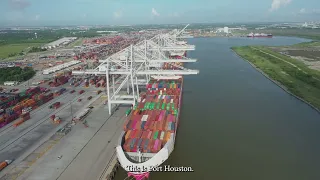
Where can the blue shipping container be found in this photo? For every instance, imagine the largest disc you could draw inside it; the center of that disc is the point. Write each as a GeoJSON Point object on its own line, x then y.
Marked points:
{"type": "Point", "coordinates": [132, 143]}
{"type": "Point", "coordinates": [172, 126]}
{"type": "Point", "coordinates": [143, 124]}
{"type": "Point", "coordinates": [139, 143]}
{"type": "Point", "coordinates": [146, 144]}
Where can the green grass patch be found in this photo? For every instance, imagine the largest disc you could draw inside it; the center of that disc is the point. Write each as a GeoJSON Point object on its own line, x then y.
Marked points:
{"type": "Point", "coordinates": [15, 49]}
{"type": "Point", "coordinates": [307, 44]}
{"type": "Point", "coordinates": [304, 83]}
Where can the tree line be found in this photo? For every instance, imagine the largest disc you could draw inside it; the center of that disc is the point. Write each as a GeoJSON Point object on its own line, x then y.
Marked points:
{"type": "Point", "coordinates": [16, 74]}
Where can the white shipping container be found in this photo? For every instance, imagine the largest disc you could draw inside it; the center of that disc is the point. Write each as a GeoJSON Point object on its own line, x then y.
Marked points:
{"type": "Point", "coordinates": [171, 101]}
{"type": "Point", "coordinates": [159, 97]}
{"type": "Point", "coordinates": [165, 89]}
{"type": "Point", "coordinates": [162, 135]}
{"type": "Point", "coordinates": [144, 100]}
{"type": "Point", "coordinates": [144, 118]}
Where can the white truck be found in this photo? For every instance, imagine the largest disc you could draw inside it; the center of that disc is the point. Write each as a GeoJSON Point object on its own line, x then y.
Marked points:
{"type": "Point", "coordinates": [11, 83]}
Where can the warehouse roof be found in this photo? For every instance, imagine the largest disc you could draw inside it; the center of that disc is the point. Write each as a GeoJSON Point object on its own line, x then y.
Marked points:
{"type": "Point", "coordinates": [61, 41]}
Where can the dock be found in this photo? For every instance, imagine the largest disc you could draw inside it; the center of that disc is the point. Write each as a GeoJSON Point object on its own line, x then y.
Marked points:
{"type": "Point", "coordinates": [111, 168]}
{"type": "Point", "coordinates": [83, 153]}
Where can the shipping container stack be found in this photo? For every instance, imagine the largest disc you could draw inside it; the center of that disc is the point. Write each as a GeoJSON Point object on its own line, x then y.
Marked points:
{"type": "Point", "coordinates": [99, 81]}
{"type": "Point", "coordinates": [26, 101]}
{"type": "Point", "coordinates": [152, 121]}
{"type": "Point", "coordinates": [57, 105]}
{"type": "Point", "coordinates": [76, 82]}
{"type": "Point", "coordinates": [23, 117]}
{"type": "Point", "coordinates": [172, 65]}
{"type": "Point", "coordinates": [59, 92]}
{"type": "Point", "coordinates": [58, 81]}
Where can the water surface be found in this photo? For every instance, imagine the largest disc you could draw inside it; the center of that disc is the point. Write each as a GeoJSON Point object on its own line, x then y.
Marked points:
{"type": "Point", "coordinates": [237, 125]}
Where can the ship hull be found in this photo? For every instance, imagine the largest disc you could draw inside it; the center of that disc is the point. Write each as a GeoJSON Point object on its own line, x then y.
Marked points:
{"type": "Point", "coordinates": [150, 161]}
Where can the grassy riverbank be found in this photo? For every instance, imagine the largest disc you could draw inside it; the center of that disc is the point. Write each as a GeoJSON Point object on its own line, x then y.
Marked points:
{"type": "Point", "coordinates": [308, 44]}
{"type": "Point", "coordinates": [294, 75]}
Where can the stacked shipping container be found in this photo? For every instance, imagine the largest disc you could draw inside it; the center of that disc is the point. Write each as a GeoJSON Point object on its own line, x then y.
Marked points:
{"type": "Point", "coordinates": [59, 81]}
{"type": "Point", "coordinates": [31, 99]}
{"type": "Point", "coordinates": [153, 120]}
{"type": "Point", "coordinates": [23, 117]}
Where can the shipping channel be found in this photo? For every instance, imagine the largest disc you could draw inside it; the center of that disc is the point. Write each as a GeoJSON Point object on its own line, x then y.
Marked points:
{"type": "Point", "coordinates": [238, 125]}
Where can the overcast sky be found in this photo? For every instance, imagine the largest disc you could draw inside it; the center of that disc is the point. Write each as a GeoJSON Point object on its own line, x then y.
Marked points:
{"type": "Point", "coordinates": [117, 12]}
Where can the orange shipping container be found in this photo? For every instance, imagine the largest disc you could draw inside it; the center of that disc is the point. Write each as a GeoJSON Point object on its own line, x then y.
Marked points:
{"type": "Point", "coordinates": [1, 119]}
{"type": "Point", "coordinates": [127, 135]}
{"type": "Point", "coordinates": [3, 165]}
{"type": "Point", "coordinates": [167, 136]}
{"type": "Point", "coordinates": [18, 123]}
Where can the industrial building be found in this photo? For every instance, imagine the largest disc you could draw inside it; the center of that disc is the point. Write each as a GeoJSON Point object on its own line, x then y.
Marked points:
{"type": "Point", "coordinates": [59, 42]}
{"type": "Point", "coordinates": [60, 67]}
{"type": "Point", "coordinates": [228, 30]}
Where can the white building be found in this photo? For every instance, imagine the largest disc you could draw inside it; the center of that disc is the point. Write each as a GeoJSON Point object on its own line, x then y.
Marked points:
{"type": "Point", "coordinates": [59, 42]}
{"type": "Point", "coordinates": [60, 67]}
{"type": "Point", "coordinates": [226, 30]}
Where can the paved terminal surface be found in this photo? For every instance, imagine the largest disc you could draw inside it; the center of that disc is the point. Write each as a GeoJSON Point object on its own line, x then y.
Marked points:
{"type": "Point", "coordinates": [84, 152]}
{"type": "Point", "coordinates": [19, 143]}
{"type": "Point", "coordinates": [15, 140]}
{"type": "Point", "coordinates": [32, 139]}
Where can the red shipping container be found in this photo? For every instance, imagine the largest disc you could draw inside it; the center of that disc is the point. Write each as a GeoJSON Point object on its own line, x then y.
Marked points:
{"type": "Point", "coordinates": [138, 134]}
{"type": "Point", "coordinates": [146, 134]}
{"type": "Point", "coordinates": [133, 133]}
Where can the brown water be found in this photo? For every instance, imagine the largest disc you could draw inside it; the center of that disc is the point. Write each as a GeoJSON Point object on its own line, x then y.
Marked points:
{"type": "Point", "coordinates": [237, 125]}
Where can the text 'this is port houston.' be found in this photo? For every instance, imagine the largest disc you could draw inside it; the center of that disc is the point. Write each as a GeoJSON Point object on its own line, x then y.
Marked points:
{"type": "Point", "coordinates": [165, 168]}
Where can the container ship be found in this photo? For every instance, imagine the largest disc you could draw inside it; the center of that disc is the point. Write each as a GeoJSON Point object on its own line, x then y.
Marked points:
{"type": "Point", "coordinates": [150, 128]}
{"type": "Point", "coordinates": [260, 35]}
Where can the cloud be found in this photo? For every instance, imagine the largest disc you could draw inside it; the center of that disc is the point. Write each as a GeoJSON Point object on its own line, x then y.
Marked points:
{"type": "Point", "coordinates": [315, 11]}
{"type": "Point", "coordinates": [276, 4]}
{"type": "Point", "coordinates": [19, 4]}
{"type": "Point", "coordinates": [302, 11]}
{"type": "Point", "coordinates": [117, 14]}
{"type": "Point", "coordinates": [37, 17]}
{"type": "Point", "coordinates": [310, 12]}
{"type": "Point", "coordinates": [154, 12]}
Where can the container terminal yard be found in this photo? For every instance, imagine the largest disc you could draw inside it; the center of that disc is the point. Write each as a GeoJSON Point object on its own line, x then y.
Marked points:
{"type": "Point", "coordinates": [74, 123]}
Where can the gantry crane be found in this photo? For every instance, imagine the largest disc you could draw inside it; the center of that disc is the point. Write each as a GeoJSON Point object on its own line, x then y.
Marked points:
{"type": "Point", "coordinates": [137, 63]}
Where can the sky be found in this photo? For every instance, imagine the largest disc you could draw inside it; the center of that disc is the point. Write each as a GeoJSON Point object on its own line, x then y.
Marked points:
{"type": "Point", "coordinates": [128, 12]}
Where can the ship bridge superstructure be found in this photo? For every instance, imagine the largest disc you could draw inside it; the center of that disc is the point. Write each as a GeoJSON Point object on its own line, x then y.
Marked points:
{"type": "Point", "coordinates": [137, 63]}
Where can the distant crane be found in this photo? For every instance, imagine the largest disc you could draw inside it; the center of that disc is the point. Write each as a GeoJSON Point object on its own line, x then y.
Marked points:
{"type": "Point", "coordinates": [142, 61]}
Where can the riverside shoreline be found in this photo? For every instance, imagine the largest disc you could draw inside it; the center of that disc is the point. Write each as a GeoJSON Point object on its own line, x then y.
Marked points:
{"type": "Point", "coordinates": [278, 83]}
